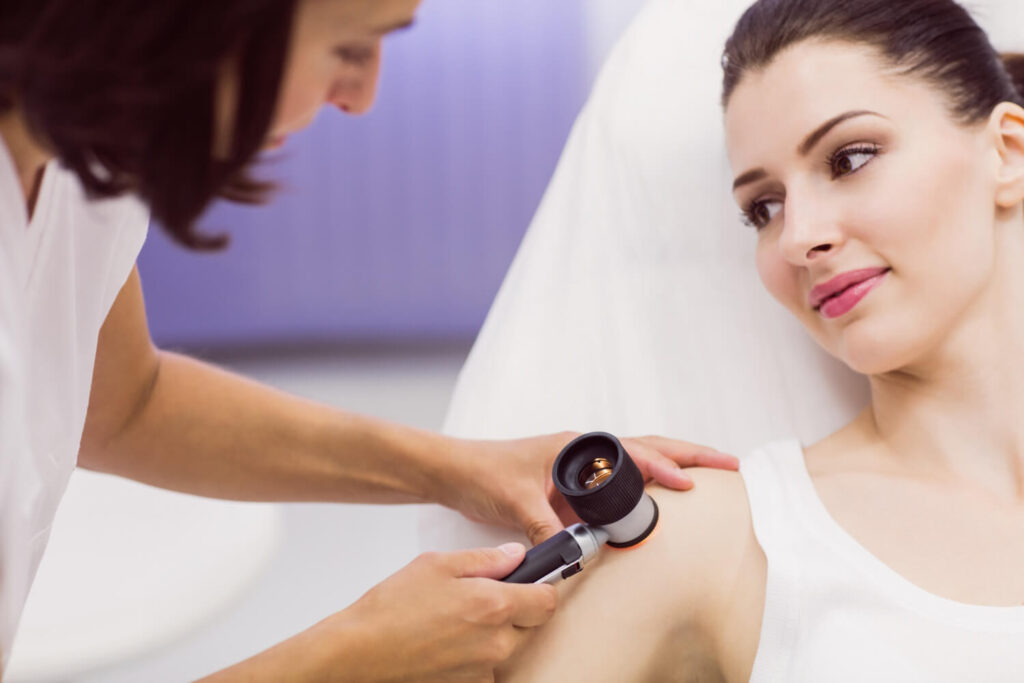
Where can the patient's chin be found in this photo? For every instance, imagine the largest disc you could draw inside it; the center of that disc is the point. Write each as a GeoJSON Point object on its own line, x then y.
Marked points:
{"type": "Point", "coordinates": [873, 353]}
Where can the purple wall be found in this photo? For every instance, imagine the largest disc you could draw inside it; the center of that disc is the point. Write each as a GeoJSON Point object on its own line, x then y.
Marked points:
{"type": "Point", "coordinates": [400, 224]}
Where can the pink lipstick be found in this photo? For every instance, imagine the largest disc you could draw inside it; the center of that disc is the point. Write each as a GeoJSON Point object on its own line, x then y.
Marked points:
{"type": "Point", "coordinates": [840, 294]}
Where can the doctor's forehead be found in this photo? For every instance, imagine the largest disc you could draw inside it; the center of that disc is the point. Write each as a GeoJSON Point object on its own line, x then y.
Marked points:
{"type": "Point", "coordinates": [364, 17]}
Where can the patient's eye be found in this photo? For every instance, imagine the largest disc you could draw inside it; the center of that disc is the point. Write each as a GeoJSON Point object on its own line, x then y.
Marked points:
{"type": "Point", "coordinates": [760, 212]}
{"type": "Point", "coordinates": [849, 160]}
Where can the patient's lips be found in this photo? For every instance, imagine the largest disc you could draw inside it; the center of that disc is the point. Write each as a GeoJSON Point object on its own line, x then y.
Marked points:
{"type": "Point", "coordinates": [840, 294]}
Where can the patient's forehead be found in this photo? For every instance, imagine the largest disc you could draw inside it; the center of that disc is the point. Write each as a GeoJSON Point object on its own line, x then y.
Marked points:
{"type": "Point", "coordinates": [775, 107]}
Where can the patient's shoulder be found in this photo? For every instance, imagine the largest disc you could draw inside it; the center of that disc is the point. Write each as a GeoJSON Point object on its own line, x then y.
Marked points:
{"type": "Point", "coordinates": [714, 513]}
{"type": "Point", "coordinates": [669, 601]}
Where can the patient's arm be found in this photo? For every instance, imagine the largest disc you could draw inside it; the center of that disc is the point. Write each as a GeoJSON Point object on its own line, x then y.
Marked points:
{"type": "Point", "coordinates": [685, 605]}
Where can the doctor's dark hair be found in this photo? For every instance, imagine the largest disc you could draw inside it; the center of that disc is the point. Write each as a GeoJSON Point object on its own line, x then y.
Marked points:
{"type": "Point", "coordinates": [125, 94]}
{"type": "Point", "coordinates": [935, 40]}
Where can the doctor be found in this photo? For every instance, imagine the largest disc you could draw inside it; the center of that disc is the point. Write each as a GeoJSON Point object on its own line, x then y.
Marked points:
{"type": "Point", "coordinates": [112, 111]}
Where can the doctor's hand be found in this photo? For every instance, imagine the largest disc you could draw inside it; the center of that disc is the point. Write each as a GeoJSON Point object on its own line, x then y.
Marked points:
{"type": "Point", "coordinates": [445, 618]}
{"type": "Point", "coordinates": [509, 482]}
{"type": "Point", "coordinates": [442, 617]}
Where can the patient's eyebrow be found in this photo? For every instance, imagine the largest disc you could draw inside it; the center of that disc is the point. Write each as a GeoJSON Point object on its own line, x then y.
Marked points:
{"type": "Point", "coordinates": [806, 146]}
{"type": "Point", "coordinates": [821, 131]}
{"type": "Point", "coordinates": [749, 177]}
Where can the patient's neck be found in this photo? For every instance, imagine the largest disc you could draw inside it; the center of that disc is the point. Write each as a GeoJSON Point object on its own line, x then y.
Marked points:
{"type": "Point", "coordinates": [959, 411]}
{"type": "Point", "coordinates": [28, 155]}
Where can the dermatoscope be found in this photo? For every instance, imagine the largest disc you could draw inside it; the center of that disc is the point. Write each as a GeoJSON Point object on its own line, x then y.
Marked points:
{"type": "Point", "coordinates": [604, 487]}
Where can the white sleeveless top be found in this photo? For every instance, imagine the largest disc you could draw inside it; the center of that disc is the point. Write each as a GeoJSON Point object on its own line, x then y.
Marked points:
{"type": "Point", "coordinates": [59, 276]}
{"type": "Point", "coordinates": [834, 612]}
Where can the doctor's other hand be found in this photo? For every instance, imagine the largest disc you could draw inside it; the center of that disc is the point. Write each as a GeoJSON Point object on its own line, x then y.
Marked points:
{"type": "Point", "coordinates": [509, 482]}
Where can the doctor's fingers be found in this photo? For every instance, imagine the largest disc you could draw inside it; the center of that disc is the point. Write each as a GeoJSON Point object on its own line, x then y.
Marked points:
{"type": "Point", "coordinates": [520, 605]}
{"type": "Point", "coordinates": [666, 469]}
{"type": "Point", "coordinates": [683, 453]}
{"type": "Point", "coordinates": [542, 514]}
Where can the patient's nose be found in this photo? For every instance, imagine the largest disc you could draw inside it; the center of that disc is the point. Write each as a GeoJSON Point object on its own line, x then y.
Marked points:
{"type": "Point", "coordinates": [808, 232]}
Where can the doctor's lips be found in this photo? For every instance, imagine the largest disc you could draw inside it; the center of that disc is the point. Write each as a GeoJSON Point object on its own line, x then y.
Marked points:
{"type": "Point", "coordinates": [840, 294]}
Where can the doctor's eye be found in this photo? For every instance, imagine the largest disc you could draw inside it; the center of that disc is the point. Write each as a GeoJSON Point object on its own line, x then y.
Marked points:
{"type": "Point", "coordinates": [849, 160]}
{"type": "Point", "coordinates": [760, 212]}
{"type": "Point", "coordinates": [356, 56]}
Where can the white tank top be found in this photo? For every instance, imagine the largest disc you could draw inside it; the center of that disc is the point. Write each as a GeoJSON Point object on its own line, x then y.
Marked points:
{"type": "Point", "coordinates": [59, 276]}
{"type": "Point", "coordinates": [834, 612]}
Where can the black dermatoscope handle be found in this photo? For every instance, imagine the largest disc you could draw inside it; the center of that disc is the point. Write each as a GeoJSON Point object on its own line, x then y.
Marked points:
{"type": "Point", "coordinates": [558, 551]}
{"type": "Point", "coordinates": [605, 488]}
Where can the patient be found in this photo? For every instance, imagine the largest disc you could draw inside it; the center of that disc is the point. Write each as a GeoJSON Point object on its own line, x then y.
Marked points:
{"type": "Point", "coordinates": [878, 151]}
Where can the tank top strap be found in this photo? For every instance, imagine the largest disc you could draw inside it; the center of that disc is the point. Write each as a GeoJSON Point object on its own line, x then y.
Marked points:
{"type": "Point", "coordinates": [769, 474]}
{"type": "Point", "coordinates": [774, 475]}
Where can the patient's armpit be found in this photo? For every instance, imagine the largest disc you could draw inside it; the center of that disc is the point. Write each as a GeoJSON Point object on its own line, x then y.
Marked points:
{"type": "Point", "coordinates": [686, 605]}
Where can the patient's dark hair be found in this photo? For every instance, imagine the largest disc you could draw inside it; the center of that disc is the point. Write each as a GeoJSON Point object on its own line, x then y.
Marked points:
{"type": "Point", "coordinates": [123, 92]}
{"type": "Point", "coordinates": [936, 40]}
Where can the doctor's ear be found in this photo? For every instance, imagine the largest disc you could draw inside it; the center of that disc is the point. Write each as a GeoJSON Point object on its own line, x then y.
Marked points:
{"type": "Point", "coordinates": [1007, 125]}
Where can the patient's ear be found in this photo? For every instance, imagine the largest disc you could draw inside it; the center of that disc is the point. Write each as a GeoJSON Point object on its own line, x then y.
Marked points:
{"type": "Point", "coordinates": [1007, 126]}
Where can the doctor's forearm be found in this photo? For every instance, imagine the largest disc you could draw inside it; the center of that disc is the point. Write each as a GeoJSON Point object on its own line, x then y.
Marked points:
{"type": "Point", "coordinates": [205, 431]}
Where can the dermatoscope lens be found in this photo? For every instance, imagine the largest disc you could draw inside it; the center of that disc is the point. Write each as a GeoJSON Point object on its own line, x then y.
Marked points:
{"type": "Point", "coordinates": [605, 488]}
{"type": "Point", "coordinates": [595, 473]}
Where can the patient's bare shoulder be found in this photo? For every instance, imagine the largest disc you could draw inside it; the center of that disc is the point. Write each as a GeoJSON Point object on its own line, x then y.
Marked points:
{"type": "Point", "coordinates": [685, 605]}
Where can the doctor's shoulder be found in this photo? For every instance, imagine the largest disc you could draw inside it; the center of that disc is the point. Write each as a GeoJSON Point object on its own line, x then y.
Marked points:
{"type": "Point", "coordinates": [685, 605]}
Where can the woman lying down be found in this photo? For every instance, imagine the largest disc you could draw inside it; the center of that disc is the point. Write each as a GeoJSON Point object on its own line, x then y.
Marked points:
{"type": "Point", "coordinates": [878, 151]}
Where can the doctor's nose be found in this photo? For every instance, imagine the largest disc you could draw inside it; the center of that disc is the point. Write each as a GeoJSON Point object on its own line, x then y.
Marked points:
{"type": "Point", "coordinates": [355, 90]}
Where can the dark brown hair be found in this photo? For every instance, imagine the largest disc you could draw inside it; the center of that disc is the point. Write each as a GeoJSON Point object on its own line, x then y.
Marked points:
{"type": "Point", "coordinates": [123, 92]}
{"type": "Point", "coordinates": [936, 40]}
